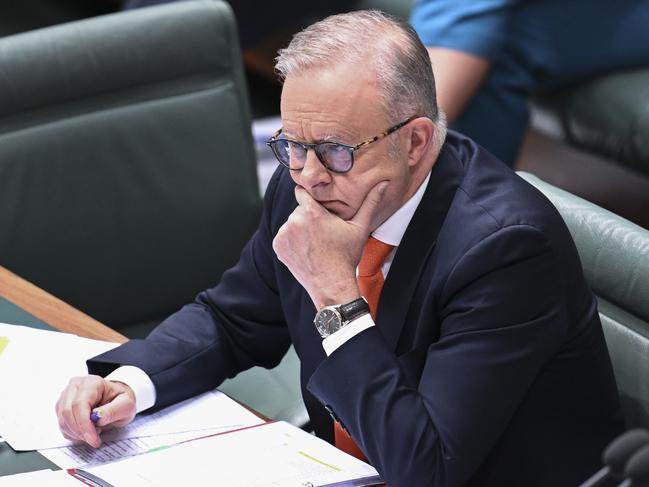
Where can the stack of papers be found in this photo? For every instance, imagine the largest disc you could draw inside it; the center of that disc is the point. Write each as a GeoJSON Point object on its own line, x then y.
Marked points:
{"type": "Point", "coordinates": [206, 414]}
{"type": "Point", "coordinates": [36, 365]}
{"type": "Point", "coordinates": [209, 438]}
{"type": "Point", "coordinates": [272, 454]}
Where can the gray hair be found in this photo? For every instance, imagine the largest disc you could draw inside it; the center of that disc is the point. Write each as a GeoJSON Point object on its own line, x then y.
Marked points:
{"type": "Point", "coordinates": [400, 60]}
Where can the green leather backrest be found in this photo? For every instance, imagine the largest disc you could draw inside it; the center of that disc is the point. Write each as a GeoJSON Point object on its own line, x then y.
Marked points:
{"type": "Point", "coordinates": [398, 8]}
{"type": "Point", "coordinates": [615, 256]}
{"type": "Point", "coordinates": [608, 115]}
{"type": "Point", "coordinates": [127, 171]}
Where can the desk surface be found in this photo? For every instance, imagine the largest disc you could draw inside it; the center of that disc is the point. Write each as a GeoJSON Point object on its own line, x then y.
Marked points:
{"type": "Point", "coordinates": [51, 310]}
{"type": "Point", "coordinates": [23, 303]}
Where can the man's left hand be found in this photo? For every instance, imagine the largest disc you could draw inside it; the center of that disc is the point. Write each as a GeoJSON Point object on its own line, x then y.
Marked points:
{"type": "Point", "coordinates": [322, 250]}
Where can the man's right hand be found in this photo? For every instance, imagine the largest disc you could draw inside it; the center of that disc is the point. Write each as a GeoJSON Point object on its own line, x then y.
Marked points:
{"type": "Point", "coordinates": [113, 401]}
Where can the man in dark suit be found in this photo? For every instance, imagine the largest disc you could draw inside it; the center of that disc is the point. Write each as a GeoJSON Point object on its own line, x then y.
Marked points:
{"type": "Point", "coordinates": [482, 360]}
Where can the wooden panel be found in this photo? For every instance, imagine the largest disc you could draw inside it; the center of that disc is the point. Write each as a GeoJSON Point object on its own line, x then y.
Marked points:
{"type": "Point", "coordinates": [52, 310]}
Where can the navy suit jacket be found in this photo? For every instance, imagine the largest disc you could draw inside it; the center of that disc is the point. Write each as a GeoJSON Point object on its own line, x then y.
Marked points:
{"type": "Point", "coordinates": [487, 366]}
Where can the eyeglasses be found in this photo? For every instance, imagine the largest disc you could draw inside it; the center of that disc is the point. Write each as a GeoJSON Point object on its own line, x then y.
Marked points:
{"type": "Point", "coordinates": [336, 157]}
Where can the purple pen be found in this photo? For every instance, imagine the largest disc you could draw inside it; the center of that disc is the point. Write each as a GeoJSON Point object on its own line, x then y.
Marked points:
{"type": "Point", "coordinates": [95, 416]}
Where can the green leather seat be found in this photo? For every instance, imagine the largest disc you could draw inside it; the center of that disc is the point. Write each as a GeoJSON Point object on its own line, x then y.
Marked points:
{"type": "Point", "coordinates": [615, 256]}
{"type": "Point", "coordinates": [128, 176]}
{"type": "Point", "coordinates": [608, 116]}
{"type": "Point", "coordinates": [127, 171]}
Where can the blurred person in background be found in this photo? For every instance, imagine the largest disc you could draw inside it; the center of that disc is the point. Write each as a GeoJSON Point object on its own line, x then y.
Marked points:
{"type": "Point", "coordinates": [491, 56]}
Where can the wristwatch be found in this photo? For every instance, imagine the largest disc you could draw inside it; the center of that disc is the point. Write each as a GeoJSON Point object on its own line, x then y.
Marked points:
{"type": "Point", "coordinates": [330, 319]}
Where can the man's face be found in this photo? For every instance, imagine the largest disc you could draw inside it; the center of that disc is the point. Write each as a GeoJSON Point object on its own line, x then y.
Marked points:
{"type": "Point", "coordinates": [342, 105]}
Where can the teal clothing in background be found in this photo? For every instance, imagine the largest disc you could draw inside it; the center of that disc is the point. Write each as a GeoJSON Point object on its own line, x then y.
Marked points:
{"type": "Point", "coordinates": [535, 46]}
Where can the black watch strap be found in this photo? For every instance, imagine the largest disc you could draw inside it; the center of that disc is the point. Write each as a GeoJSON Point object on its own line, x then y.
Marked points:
{"type": "Point", "coordinates": [353, 310]}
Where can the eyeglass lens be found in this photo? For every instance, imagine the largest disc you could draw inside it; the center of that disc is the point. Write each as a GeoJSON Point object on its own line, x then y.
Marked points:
{"type": "Point", "coordinates": [335, 157]}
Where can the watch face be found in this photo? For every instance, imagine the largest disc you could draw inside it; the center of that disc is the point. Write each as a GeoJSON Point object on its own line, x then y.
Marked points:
{"type": "Point", "coordinates": [327, 321]}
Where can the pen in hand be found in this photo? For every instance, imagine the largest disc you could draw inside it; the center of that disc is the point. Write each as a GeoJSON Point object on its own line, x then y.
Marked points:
{"type": "Point", "coordinates": [95, 416]}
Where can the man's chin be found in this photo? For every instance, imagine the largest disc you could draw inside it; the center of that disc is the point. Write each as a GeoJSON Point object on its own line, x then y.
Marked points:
{"type": "Point", "coordinates": [338, 208]}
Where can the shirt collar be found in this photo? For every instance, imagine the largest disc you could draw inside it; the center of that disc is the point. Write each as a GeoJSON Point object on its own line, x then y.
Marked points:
{"type": "Point", "coordinates": [391, 230]}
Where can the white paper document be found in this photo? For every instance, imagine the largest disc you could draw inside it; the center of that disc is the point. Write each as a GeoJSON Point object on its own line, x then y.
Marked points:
{"type": "Point", "coordinates": [83, 455]}
{"type": "Point", "coordinates": [36, 365]}
{"type": "Point", "coordinates": [268, 455]}
{"type": "Point", "coordinates": [209, 413]}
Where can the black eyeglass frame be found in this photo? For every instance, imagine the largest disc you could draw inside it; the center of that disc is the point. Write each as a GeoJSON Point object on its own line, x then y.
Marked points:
{"type": "Point", "coordinates": [271, 142]}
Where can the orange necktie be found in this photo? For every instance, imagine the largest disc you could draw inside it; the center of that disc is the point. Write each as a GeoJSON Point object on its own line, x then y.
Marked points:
{"type": "Point", "coordinates": [370, 281]}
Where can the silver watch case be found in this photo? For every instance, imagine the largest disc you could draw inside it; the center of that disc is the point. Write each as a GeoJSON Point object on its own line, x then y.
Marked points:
{"type": "Point", "coordinates": [328, 320]}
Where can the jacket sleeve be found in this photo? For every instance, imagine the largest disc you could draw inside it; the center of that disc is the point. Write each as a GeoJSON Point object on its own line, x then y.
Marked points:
{"type": "Point", "coordinates": [227, 329]}
{"type": "Point", "coordinates": [502, 317]}
{"type": "Point", "coordinates": [464, 25]}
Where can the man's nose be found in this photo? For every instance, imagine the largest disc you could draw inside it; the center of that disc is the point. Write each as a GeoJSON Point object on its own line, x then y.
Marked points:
{"type": "Point", "coordinates": [313, 173]}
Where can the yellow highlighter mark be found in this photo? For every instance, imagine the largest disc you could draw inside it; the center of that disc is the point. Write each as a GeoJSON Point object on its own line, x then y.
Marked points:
{"type": "Point", "coordinates": [4, 341]}
{"type": "Point", "coordinates": [319, 461]}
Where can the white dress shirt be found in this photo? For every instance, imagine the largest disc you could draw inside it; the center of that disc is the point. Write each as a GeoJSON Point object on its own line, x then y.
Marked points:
{"type": "Point", "coordinates": [390, 232]}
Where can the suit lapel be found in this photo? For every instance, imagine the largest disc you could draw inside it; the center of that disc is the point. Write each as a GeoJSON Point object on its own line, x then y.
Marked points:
{"type": "Point", "coordinates": [416, 245]}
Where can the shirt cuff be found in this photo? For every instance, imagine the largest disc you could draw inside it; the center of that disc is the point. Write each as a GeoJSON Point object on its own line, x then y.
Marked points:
{"type": "Point", "coordinates": [139, 381]}
{"type": "Point", "coordinates": [335, 340]}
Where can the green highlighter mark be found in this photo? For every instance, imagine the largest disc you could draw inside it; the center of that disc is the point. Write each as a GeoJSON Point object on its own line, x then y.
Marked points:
{"type": "Point", "coordinates": [158, 448]}
{"type": "Point", "coordinates": [4, 341]}
{"type": "Point", "coordinates": [304, 454]}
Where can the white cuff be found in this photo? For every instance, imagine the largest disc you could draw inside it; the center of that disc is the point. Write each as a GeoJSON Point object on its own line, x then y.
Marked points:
{"type": "Point", "coordinates": [335, 340]}
{"type": "Point", "coordinates": [136, 379]}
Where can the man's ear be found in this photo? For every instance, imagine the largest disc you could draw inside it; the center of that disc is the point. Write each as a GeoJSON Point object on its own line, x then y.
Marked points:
{"type": "Point", "coordinates": [420, 140]}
